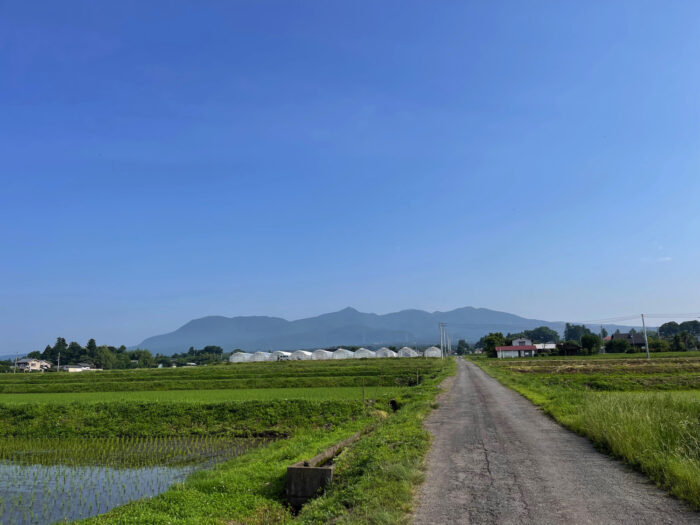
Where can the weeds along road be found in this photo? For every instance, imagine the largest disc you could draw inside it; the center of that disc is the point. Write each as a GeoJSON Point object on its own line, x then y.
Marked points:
{"type": "Point", "coordinates": [496, 459]}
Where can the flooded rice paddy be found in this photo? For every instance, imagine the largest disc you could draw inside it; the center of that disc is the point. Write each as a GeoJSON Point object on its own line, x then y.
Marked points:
{"type": "Point", "coordinates": [52, 480]}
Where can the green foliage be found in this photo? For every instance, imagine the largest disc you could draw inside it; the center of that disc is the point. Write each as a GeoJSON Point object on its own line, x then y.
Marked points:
{"type": "Point", "coordinates": [491, 341]}
{"type": "Point", "coordinates": [574, 332]}
{"type": "Point", "coordinates": [105, 357]}
{"type": "Point", "coordinates": [668, 330]}
{"type": "Point", "coordinates": [590, 343]}
{"type": "Point", "coordinates": [617, 346]}
{"type": "Point", "coordinates": [542, 334]}
{"type": "Point", "coordinates": [463, 347]}
{"type": "Point", "coordinates": [659, 345]}
{"type": "Point", "coordinates": [692, 327]}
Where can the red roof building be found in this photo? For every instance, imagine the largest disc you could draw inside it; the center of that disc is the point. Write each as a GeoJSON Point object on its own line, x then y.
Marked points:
{"type": "Point", "coordinates": [516, 351]}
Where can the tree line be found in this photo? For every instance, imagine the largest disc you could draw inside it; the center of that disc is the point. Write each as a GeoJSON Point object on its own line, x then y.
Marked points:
{"type": "Point", "coordinates": [110, 357]}
{"type": "Point", "coordinates": [670, 337]}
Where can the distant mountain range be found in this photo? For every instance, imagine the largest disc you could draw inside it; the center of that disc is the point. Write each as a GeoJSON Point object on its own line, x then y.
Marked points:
{"type": "Point", "coordinates": [346, 327]}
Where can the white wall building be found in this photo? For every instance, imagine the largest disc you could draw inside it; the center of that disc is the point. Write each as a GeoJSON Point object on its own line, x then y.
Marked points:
{"type": "Point", "coordinates": [515, 351]}
{"type": "Point", "coordinates": [260, 356]}
{"type": "Point", "coordinates": [33, 365]}
{"type": "Point", "coordinates": [279, 355]}
{"type": "Point", "coordinates": [301, 355]}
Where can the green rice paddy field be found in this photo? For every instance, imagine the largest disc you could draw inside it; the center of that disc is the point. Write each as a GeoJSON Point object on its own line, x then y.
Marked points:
{"type": "Point", "coordinates": [220, 437]}
{"type": "Point", "coordinates": [644, 411]}
{"type": "Point", "coordinates": [351, 393]}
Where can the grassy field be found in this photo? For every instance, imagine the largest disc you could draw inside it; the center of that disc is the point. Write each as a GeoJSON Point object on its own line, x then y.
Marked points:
{"type": "Point", "coordinates": [290, 374]}
{"type": "Point", "coordinates": [374, 478]}
{"type": "Point", "coordinates": [646, 412]}
{"type": "Point", "coordinates": [353, 393]}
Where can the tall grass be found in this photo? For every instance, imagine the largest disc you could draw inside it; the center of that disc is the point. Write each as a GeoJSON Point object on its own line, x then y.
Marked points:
{"type": "Point", "coordinates": [658, 433]}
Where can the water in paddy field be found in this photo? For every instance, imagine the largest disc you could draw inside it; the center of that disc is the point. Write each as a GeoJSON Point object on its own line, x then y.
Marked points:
{"type": "Point", "coordinates": [47, 494]}
{"type": "Point", "coordinates": [36, 493]}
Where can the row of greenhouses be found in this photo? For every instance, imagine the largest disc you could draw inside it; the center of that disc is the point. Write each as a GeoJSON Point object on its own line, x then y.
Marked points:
{"type": "Point", "coordinates": [340, 353]}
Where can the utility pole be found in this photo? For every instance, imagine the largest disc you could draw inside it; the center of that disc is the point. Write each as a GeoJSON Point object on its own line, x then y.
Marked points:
{"type": "Point", "coordinates": [442, 339]}
{"type": "Point", "coordinates": [646, 341]}
{"type": "Point", "coordinates": [58, 366]}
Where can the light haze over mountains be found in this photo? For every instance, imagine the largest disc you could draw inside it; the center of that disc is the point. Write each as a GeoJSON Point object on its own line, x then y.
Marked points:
{"type": "Point", "coordinates": [345, 327]}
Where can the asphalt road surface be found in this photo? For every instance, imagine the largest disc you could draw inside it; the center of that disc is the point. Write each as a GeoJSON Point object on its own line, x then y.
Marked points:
{"type": "Point", "coordinates": [496, 459]}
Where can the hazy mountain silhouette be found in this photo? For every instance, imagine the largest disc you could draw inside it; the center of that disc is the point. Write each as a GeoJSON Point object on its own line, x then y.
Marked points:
{"type": "Point", "coordinates": [345, 327]}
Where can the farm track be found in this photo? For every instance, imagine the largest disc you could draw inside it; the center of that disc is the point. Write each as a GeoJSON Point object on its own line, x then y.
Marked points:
{"type": "Point", "coordinates": [497, 459]}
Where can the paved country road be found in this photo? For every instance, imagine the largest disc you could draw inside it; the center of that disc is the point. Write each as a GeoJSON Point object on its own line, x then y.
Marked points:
{"type": "Point", "coordinates": [497, 459]}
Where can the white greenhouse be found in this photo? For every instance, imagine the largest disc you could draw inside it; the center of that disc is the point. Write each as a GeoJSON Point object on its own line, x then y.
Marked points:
{"type": "Point", "coordinates": [301, 355]}
{"type": "Point", "coordinates": [433, 351]}
{"type": "Point", "coordinates": [408, 352]}
{"type": "Point", "coordinates": [385, 352]}
{"type": "Point", "coordinates": [279, 355]}
{"type": "Point", "coordinates": [361, 353]}
{"type": "Point", "coordinates": [240, 357]}
{"type": "Point", "coordinates": [321, 354]}
{"type": "Point", "coordinates": [260, 356]}
{"type": "Point", "coordinates": [342, 353]}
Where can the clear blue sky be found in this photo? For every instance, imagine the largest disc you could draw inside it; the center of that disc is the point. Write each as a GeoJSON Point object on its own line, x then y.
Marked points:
{"type": "Point", "coordinates": [162, 161]}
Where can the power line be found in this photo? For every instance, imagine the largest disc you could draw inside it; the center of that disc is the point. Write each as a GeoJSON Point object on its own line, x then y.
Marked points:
{"type": "Point", "coordinates": [636, 316]}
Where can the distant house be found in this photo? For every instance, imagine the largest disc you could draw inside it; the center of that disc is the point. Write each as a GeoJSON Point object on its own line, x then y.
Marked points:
{"type": "Point", "coordinates": [33, 365]}
{"type": "Point", "coordinates": [634, 339]}
{"type": "Point", "coordinates": [516, 351]}
{"type": "Point", "coordinates": [80, 367]}
{"type": "Point", "coordinates": [521, 341]}
{"type": "Point", "coordinates": [569, 348]}
{"type": "Point", "coordinates": [543, 347]}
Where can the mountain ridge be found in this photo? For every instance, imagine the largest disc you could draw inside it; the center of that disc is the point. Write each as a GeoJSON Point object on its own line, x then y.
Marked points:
{"type": "Point", "coordinates": [348, 326]}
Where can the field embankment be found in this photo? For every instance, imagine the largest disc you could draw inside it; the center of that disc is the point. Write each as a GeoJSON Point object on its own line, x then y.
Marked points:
{"type": "Point", "coordinates": [646, 412]}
